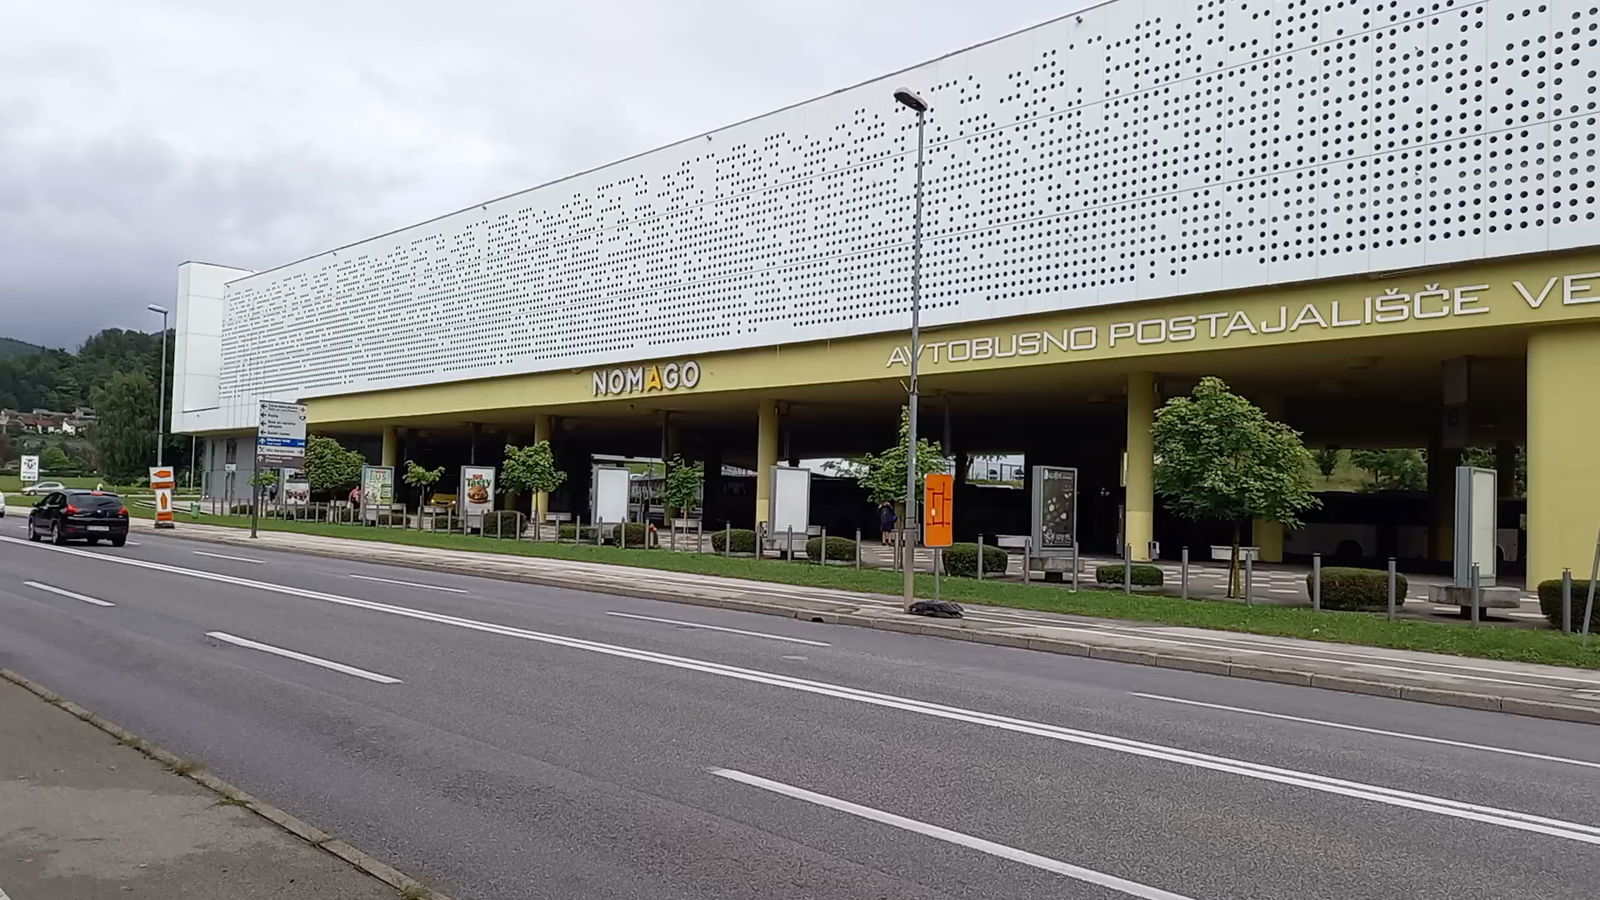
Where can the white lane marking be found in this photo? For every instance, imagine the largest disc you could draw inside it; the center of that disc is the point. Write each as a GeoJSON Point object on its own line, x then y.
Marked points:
{"type": "Point", "coordinates": [3, 895]}
{"type": "Point", "coordinates": [224, 556]}
{"type": "Point", "coordinates": [1405, 799]}
{"type": "Point", "coordinates": [1505, 818]}
{"type": "Point", "coordinates": [314, 660]}
{"type": "Point", "coordinates": [1363, 729]}
{"type": "Point", "coordinates": [1090, 876]}
{"type": "Point", "coordinates": [759, 634]}
{"type": "Point", "coordinates": [56, 590]}
{"type": "Point", "coordinates": [1283, 590]}
{"type": "Point", "coordinates": [426, 587]}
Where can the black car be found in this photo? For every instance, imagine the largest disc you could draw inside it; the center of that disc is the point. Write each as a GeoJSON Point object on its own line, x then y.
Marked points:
{"type": "Point", "coordinates": [65, 515]}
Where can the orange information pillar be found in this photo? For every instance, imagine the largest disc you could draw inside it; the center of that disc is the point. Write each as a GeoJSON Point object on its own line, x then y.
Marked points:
{"type": "Point", "coordinates": [938, 510]}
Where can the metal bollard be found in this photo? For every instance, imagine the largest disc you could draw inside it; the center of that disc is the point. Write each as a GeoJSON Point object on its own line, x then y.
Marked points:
{"type": "Point", "coordinates": [980, 556]}
{"type": "Point", "coordinates": [1183, 573]}
{"type": "Point", "coordinates": [1475, 600]}
{"type": "Point", "coordinates": [1588, 607]}
{"type": "Point", "coordinates": [1566, 601]}
{"type": "Point", "coordinates": [1127, 568]}
{"type": "Point", "coordinates": [1316, 582]}
{"type": "Point", "coordinates": [577, 532]}
{"type": "Point", "coordinates": [1249, 579]}
{"type": "Point", "coordinates": [822, 557]}
{"type": "Point", "coordinates": [858, 548]}
{"type": "Point", "coordinates": [1074, 566]}
{"type": "Point", "coordinates": [1027, 559]}
{"type": "Point", "coordinates": [700, 535]}
{"type": "Point", "coordinates": [622, 535]}
{"type": "Point", "coordinates": [599, 530]}
{"type": "Point", "coordinates": [788, 543]}
{"type": "Point", "coordinates": [1391, 588]}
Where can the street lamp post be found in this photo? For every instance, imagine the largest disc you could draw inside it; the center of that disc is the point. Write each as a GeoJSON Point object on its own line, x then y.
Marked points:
{"type": "Point", "coordinates": [909, 99]}
{"type": "Point", "coordinates": [161, 398]}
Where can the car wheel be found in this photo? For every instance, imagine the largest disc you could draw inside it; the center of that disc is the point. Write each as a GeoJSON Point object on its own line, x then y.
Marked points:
{"type": "Point", "coordinates": [118, 541]}
{"type": "Point", "coordinates": [56, 537]}
{"type": "Point", "coordinates": [33, 533]}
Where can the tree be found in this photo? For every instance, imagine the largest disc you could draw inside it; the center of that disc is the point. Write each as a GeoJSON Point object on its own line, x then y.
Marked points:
{"type": "Point", "coordinates": [883, 475]}
{"type": "Point", "coordinates": [423, 480]}
{"type": "Point", "coordinates": [329, 466]}
{"type": "Point", "coordinates": [532, 469]}
{"type": "Point", "coordinates": [684, 481]}
{"type": "Point", "coordinates": [1393, 470]}
{"type": "Point", "coordinates": [1487, 458]}
{"type": "Point", "coordinates": [1327, 460]}
{"type": "Point", "coordinates": [54, 460]}
{"type": "Point", "coordinates": [124, 434]}
{"type": "Point", "coordinates": [1219, 457]}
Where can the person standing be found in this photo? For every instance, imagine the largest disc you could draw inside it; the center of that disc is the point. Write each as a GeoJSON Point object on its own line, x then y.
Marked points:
{"type": "Point", "coordinates": [886, 522]}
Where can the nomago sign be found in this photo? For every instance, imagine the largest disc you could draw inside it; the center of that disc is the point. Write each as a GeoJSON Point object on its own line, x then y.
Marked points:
{"type": "Point", "coordinates": [938, 510]}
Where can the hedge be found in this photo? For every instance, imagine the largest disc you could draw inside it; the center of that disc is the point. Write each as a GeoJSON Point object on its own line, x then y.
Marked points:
{"type": "Point", "coordinates": [637, 532]}
{"type": "Point", "coordinates": [568, 532]}
{"type": "Point", "coordinates": [843, 549]}
{"type": "Point", "coordinates": [1361, 590]}
{"type": "Point", "coordinates": [743, 539]}
{"type": "Point", "coordinates": [1139, 576]}
{"type": "Point", "coordinates": [1550, 603]}
{"type": "Point", "coordinates": [962, 560]}
{"type": "Point", "coordinates": [503, 523]}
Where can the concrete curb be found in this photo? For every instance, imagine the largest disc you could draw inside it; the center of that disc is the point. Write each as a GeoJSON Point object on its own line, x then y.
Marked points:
{"type": "Point", "coordinates": [1539, 709]}
{"type": "Point", "coordinates": [312, 835]}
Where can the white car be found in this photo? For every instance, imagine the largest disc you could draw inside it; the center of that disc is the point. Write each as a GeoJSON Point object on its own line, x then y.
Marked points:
{"type": "Point", "coordinates": [43, 487]}
{"type": "Point", "coordinates": [2, 506]}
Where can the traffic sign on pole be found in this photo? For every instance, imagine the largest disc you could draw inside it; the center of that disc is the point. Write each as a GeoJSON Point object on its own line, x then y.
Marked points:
{"type": "Point", "coordinates": [938, 510]}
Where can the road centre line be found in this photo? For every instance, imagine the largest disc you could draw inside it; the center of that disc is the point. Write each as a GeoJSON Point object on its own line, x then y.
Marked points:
{"type": "Point", "coordinates": [56, 590]}
{"type": "Point", "coordinates": [426, 587]}
{"type": "Point", "coordinates": [1090, 876]}
{"type": "Point", "coordinates": [302, 657]}
{"type": "Point", "coordinates": [224, 556]}
{"type": "Point", "coordinates": [759, 634]}
{"type": "Point", "coordinates": [1574, 831]}
{"type": "Point", "coordinates": [1397, 734]}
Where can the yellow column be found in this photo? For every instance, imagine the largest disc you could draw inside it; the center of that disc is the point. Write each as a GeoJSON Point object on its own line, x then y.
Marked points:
{"type": "Point", "coordinates": [1265, 534]}
{"type": "Point", "coordinates": [767, 421]}
{"type": "Point", "coordinates": [391, 446]}
{"type": "Point", "coordinates": [1140, 492]}
{"type": "Point", "coordinates": [1563, 483]}
{"type": "Point", "coordinates": [541, 499]}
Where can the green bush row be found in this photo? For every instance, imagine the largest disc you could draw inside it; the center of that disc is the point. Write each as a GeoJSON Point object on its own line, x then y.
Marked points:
{"type": "Point", "coordinates": [1140, 575]}
{"type": "Point", "coordinates": [1360, 590]}
{"type": "Point", "coordinates": [841, 549]}
{"type": "Point", "coordinates": [962, 560]}
{"type": "Point", "coordinates": [1550, 603]}
{"type": "Point", "coordinates": [743, 540]}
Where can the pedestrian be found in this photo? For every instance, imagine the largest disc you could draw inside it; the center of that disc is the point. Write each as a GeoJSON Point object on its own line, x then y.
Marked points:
{"type": "Point", "coordinates": [886, 520]}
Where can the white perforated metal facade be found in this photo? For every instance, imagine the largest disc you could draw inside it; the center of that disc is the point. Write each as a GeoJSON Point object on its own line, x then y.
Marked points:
{"type": "Point", "coordinates": [1134, 151]}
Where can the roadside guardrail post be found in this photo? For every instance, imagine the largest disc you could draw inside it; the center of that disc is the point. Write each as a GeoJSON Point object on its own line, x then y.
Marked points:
{"type": "Point", "coordinates": [980, 556]}
{"type": "Point", "coordinates": [1316, 582]}
{"type": "Point", "coordinates": [1127, 568]}
{"type": "Point", "coordinates": [858, 548]}
{"type": "Point", "coordinates": [1392, 587]}
{"type": "Point", "coordinates": [1183, 573]}
{"type": "Point", "coordinates": [1027, 558]}
{"type": "Point", "coordinates": [1475, 600]}
{"type": "Point", "coordinates": [1249, 579]}
{"type": "Point", "coordinates": [1566, 601]}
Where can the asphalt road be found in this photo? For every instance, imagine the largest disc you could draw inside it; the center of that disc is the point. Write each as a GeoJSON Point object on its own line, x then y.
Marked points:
{"type": "Point", "coordinates": [505, 741]}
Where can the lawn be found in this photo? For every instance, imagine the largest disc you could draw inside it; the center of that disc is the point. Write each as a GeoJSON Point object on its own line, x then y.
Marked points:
{"type": "Point", "coordinates": [1523, 645]}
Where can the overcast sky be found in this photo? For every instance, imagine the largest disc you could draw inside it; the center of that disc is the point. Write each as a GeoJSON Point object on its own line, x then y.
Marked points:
{"type": "Point", "coordinates": [136, 134]}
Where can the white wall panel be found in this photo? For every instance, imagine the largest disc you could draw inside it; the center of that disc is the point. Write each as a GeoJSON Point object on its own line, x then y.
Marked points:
{"type": "Point", "coordinates": [1135, 151]}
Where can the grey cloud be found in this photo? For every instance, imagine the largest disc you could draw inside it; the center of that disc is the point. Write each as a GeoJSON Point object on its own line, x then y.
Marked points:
{"type": "Point", "coordinates": [136, 136]}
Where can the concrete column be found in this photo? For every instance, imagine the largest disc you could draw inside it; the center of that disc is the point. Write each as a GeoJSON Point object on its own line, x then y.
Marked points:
{"type": "Point", "coordinates": [767, 427]}
{"type": "Point", "coordinates": [1442, 500]}
{"type": "Point", "coordinates": [1505, 464]}
{"type": "Point", "coordinates": [1139, 504]}
{"type": "Point", "coordinates": [391, 446]}
{"type": "Point", "coordinates": [1563, 483]}
{"type": "Point", "coordinates": [541, 499]}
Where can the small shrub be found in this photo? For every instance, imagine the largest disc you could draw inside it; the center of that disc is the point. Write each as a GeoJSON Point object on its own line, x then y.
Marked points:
{"type": "Point", "coordinates": [1550, 603]}
{"type": "Point", "coordinates": [842, 549]}
{"type": "Point", "coordinates": [1359, 590]}
{"type": "Point", "coordinates": [568, 532]}
{"type": "Point", "coordinates": [637, 533]}
{"type": "Point", "coordinates": [962, 560]}
{"type": "Point", "coordinates": [1141, 575]}
{"type": "Point", "coordinates": [743, 540]}
{"type": "Point", "coordinates": [503, 523]}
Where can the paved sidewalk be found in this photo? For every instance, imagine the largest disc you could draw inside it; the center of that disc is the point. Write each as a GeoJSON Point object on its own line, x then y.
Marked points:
{"type": "Point", "coordinates": [84, 818]}
{"type": "Point", "coordinates": [1524, 688]}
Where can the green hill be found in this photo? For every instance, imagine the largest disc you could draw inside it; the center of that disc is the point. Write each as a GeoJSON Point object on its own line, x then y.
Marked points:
{"type": "Point", "coordinates": [11, 348]}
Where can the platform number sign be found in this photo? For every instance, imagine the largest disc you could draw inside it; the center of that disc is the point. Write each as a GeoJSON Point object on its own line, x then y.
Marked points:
{"type": "Point", "coordinates": [938, 510]}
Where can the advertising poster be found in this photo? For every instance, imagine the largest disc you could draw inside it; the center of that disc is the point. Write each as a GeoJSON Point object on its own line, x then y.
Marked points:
{"type": "Point", "coordinates": [30, 469]}
{"type": "Point", "coordinates": [297, 493]}
{"type": "Point", "coordinates": [1055, 508]}
{"type": "Point", "coordinates": [377, 490]}
{"type": "Point", "coordinates": [477, 493]}
{"type": "Point", "coordinates": [162, 480]}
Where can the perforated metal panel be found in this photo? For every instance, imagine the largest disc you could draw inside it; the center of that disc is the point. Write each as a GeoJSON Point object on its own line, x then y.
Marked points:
{"type": "Point", "coordinates": [1135, 151]}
